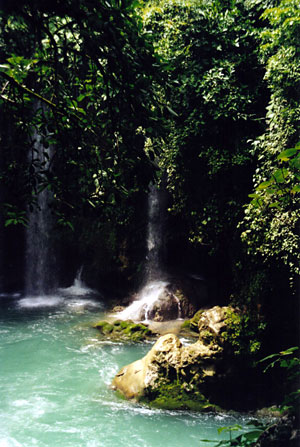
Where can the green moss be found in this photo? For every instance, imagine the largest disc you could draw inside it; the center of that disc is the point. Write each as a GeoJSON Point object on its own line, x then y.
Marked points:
{"type": "Point", "coordinates": [104, 326]}
{"type": "Point", "coordinates": [124, 330]}
{"type": "Point", "coordinates": [207, 337]}
{"type": "Point", "coordinates": [192, 324]}
{"type": "Point", "coordinates": [173, 396]}
{"type": "Point", "coordinates": [124, 324]}
{"type": "Point", "coordinates": [195, 320]}
{"type": "Point", "coordinates": [243, 332]}
{"type": "Point", "coordinates": [186, 324]}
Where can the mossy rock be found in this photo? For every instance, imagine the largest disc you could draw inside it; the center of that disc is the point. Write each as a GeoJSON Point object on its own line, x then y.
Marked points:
{"type": "Point", "coordinates": [124, 330]}
{"type": "Point", "coordinates": [192, 324]}
{"type": "Point", "coordinates": [186, 325]}
{"type": "Point", "coordinates": [105, 327]}
{"type": "Point", "coordinates": [195, 320]}
{"type": "Point", "coordinates": [173, 396]}
{"type": "Point", "coordinates": [207, 337]}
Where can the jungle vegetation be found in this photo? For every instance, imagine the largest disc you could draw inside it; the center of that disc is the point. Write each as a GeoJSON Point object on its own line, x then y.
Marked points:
{"type": "Point", "coordinates": [202, 96]}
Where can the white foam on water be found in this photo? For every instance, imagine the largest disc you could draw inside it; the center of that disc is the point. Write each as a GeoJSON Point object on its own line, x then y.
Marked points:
{"type": "Point", "coordinates": [40, 301]}
{"type": "Point", "coordinates": [34, 302]}
{"type": "Point", "coordinates": [77, 289]}
{"type": "Point", "coordinates": [82, 303]}
{"type": "Point", "coordinates": [11, 442]}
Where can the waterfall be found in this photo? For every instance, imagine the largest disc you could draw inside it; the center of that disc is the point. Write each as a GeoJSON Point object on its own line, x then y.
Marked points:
{"type": "Point", "coordinates": [1, 245]}
{"type": "Point", "coordinates": [78, 287]}
{"type": "Point", "coordinates": [155, 233]}
{"type": "Point", "coordinates": [40, 261]}
{"type": "Point", "coordinates": [2, 255]}
{"type": "Point", "coordinates": [154, 300]}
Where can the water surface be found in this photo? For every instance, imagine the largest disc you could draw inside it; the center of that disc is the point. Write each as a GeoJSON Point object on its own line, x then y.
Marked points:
{"type": "Point", "coordinates": [54, 383]}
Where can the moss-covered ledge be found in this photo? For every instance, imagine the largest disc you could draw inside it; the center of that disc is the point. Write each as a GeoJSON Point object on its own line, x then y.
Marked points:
{"type": "Point", "coordinates": [173, 396]}
{"type": "Point", "coordinates": [120, 330]}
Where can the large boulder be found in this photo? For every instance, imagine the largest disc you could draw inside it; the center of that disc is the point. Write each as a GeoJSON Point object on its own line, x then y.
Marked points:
{"type": "Point", "coordinates": [166, 307]}
{"type": "Point", "coordinates": [173, 375]}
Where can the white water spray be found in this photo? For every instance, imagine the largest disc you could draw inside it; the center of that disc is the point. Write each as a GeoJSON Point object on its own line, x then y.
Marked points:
{"type": "Point", "coordinates": [140, 309]}
{"type": "Point", "coordinates": [78, 288]}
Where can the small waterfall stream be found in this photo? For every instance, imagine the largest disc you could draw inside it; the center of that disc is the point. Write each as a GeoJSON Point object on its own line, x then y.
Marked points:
{"type": "Point", "coordinates": [154, 294]}
{"type": "Point", "coordinates": [1, 248]}
{"type": "Point", "coordinates": [155, 233]}
{"type": "Point", "coordinates": [40, 260]}
{"type": "Point", "coordinates": [78, 288]}
{"type": "Point", "coordinates": [2, 255]}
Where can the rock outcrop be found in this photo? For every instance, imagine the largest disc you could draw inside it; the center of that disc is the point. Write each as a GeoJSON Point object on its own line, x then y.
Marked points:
{"type": "Point", "coordinates": [124, 330]}
{"type": "Point", "coordinates": [172, 375]}
{"type": "Point", "coordinates": [164, 300]}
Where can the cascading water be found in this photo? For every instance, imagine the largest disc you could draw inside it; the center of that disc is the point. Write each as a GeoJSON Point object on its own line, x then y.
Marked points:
{"type": "Point", "coordinates": [155, 231]}
{"type": "Point", "coordinates": [154, 295]}
{"type": "Point", "coordinates": [1, 232]}
{"type": "Point", "coordinates": [1, 248]}
{"type": "Point", "coordinates": [40, 261]}
{"type": "Point", "coordinates": [78, 288]}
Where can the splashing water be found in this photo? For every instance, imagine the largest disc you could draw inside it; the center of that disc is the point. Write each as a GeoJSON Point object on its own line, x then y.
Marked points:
{"type": "Point", "coordinates": [77, 296]}
{"type": "Point", "coordinates": [139, 309]}
{"type": "Point", "coordinates": [155, 281]}
{"type": "Point", "coordinates": [78, 288]}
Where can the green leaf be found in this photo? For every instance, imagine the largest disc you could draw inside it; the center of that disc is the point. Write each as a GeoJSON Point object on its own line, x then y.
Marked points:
{"type": "Point", "coordinates": [295, 163]}
{"type": "Point", "coordinates": [230, 428]}
{"type": "Point", "coordinates": [295, 189]}
{"type": "Point", "coordinates": [81, 97]}
{"type": "Point", "coordinates": [280, 175]}
{"type": "Point", "coordinates": [286, 154]}
{"type": "Point", "coordinates": [271, 356]}
{"type": "Point", "coordinates": [265, 185]}
{"type": "Point", "coordinates": [172, 111]}
{"type": "Point", "coordinates": [9, 222]}
{"type": "Point", "coordinates": [252, 435]}
{"type": "Point", "coordinates": [289, 350]}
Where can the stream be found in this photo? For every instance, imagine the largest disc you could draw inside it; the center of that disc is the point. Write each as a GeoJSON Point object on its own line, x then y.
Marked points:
{"type": "Point", "coordinates": [55, 373]}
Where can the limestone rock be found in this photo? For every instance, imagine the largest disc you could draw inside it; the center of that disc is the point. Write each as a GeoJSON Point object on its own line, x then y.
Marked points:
{"type": "Point", "coordinates": [186, 373]}
{"type": "Point", "coordinates": [212, 323]}
{"type": "Point", "coordinates": [132, 379]}
{"type": "Point", "coordinates": [165, 308]}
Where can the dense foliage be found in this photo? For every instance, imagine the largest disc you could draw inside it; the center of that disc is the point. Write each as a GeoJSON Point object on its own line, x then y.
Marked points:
{"type": "Point", "coordinates": [76, 90]}
{"type": "Point", "coordinates": [78, 75]}
{"type": "Point", "coordinates": [272, 218]}
{"type": "Point", "coordinates": [107, 96]}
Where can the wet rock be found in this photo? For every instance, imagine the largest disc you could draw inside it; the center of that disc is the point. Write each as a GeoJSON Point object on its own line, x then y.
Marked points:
{"type": "Point", "coordinates": [165, 308]}
{"type": "Point", "coordinates": [172, 369]}
{"type": "Point", "coordinates": [124, 330]}
{"type": "Point", "coordinates": [118, 308]}
{"type": "Point", "coordinates": [164, 300]}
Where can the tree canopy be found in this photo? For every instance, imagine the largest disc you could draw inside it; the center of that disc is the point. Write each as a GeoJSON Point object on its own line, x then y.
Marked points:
{"type": "Point", "coordinates": [119, 93]}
